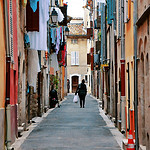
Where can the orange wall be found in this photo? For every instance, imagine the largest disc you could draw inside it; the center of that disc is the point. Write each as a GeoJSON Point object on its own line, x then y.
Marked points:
{"type": "Point", "coordinates": [129, 37]}
{"type": "Point", "coordinates": [129, 53]}
{"type": "Point", "coordinates": [2, 56]}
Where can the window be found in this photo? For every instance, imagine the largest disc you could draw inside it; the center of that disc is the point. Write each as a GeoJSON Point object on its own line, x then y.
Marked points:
{"type": "Point", "coordinates": [74, 58]}
{"type": "Point", "coordinates": [126, 17]}
{"type": "Point", "coordinates": [74, 41]}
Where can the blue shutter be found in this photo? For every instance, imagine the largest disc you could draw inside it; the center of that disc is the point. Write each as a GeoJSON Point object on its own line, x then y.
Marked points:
{"type": "Point", "coordinates": [114, 13]}
{"type": "Point", "coordinates": [109, 12]}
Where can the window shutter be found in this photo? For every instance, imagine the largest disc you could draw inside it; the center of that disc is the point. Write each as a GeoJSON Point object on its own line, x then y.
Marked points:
{"type": "Point", "coordinates": [109, 12]}
{"type": "Point", "coordinates": [126, 11]}
{"type": "Point", "coordinates": [77, 58]}
{"type": "Point", "coordinates": [129, 9]}
{"type": "Point", "coordinates": [72, 58]}
{"type": "Point", "coordinates": [11, 30]}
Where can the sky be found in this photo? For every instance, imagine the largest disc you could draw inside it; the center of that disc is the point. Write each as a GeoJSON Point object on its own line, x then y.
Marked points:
{"type": "Point", "coordinates": [75, 8]}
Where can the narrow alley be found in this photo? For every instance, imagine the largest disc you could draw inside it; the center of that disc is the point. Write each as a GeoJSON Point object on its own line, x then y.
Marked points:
{"type": "Point", "coordinates": [71, 128]}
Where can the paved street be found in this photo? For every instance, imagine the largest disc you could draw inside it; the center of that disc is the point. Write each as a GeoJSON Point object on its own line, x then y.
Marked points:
{"type": "Point", "coordinates": [72, 128]}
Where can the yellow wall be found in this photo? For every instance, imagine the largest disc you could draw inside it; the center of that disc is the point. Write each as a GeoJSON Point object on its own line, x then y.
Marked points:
{"type": "Point", "coordinates": [82, 48]}
{"type": "Point", "coordinates": [129, 53]}
{"type": "Point", "coordinates": [2, 57]}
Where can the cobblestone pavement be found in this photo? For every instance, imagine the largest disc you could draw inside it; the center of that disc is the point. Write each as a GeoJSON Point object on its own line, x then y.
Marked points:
{"type": "Point", "coordinates": [72, 128]}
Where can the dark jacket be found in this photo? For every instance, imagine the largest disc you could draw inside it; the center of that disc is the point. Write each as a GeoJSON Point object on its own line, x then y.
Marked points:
{"type": "Point", "coordinates": [53, 94]}
{"type": "Point", "coordinates": [81, 90]}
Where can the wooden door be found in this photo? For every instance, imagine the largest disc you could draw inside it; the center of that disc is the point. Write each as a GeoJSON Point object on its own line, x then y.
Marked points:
{"type": "Point", "coordinates": [75, 80]}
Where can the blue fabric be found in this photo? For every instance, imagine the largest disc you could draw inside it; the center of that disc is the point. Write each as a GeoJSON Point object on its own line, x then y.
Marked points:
{"type": "Point", "coordinates": [62, 38]}
{"type": "Point", "coordinates": [53, 35]}
{"type": "Point", "coordinates": [33, 5]}
{"type": "Point", "coordinates": [26, 39]}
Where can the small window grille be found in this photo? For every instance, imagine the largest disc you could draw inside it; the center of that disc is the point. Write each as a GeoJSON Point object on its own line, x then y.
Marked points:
{"type": "Point", "coordinates": [11, 29]}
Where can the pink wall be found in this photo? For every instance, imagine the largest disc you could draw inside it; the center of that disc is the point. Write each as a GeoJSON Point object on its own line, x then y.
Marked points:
{"type": "Point", "coordinates": [14, 67]}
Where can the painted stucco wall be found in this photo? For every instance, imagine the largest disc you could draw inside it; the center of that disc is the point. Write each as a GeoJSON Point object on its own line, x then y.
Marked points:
{"type": "Point", "coordinates": [21, 65]}
{"type": "Point", "coordinates": [129, 54]}
{"type": "Point", "coordinates": [82, 48]}
{"type": "Point", "coordinates": [82, 69]}
{"type": "Point", "coordinates": [143, 47]}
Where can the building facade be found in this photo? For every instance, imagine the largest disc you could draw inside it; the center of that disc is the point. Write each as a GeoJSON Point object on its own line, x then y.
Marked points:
{"type": "Point", "coordinates": [143, 46]}
{"type": "Point", "coordinates": [77, 68]}
{"type": "Point", "coordinates": [2, 75]}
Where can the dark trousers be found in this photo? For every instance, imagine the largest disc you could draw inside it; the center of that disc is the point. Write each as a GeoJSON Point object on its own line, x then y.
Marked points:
{"type": "Point", "coordinates": [82, 100]}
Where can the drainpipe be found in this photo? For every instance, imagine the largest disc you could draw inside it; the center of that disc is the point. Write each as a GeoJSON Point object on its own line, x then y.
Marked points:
{"type": "Point", "coordinates": [123, 99]}
{"type": "Point", "coordinates": [102, 48]}
{"type": "Point", "coordinates": [116, 93]}
{"type": "Point", "coordinates": [135, 78]}
{"type": "Point", "coordinates": [128, 71]}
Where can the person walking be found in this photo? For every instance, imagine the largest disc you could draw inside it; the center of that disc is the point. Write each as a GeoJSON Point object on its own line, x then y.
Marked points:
{"type": "Point", "coordinates": [82, 91]}
{"type": "Point", "coordinates": [68, 85]}
{"type": "Point", "coordinates": [53, 97]}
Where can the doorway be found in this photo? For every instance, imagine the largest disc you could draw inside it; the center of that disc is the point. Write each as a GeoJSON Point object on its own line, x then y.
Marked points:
{"type": "Point", "coordinates": [75, 81]}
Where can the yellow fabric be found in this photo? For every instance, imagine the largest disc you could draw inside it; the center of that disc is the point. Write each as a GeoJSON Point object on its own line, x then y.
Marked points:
{"type": "Point", "coordinates": [61, 2]}
{"type": "Point", "coordinates": [24, 3]}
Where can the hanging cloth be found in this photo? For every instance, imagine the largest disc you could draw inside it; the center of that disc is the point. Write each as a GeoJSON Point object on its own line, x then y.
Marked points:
{"type": "Point", "coordinates": [33, 5]}
{"type": "Point", "coordinates": [38, 40]}
{"type": "Point", "coordinates": [58, 40]}
{"type": "Point", "coordinates": [53, 35]}
{"type": "Point", "coordinates": [24, 3]}
{"type": "Point", "coordinates": [101, 1]}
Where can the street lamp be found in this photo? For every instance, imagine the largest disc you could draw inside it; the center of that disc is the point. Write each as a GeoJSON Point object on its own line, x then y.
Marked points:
{"type": "Point", "coordinates": [54, 16]}
{"type": "Point", "coordinates": [66, 31]}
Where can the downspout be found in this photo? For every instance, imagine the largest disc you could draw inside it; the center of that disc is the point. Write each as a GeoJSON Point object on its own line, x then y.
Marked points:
{"type": "Point", "coordinates": [123, 99]}
{"type": "Point", "coordinates": [8, 61]}
{"type": "Point", "coordinates": [116, 93]}
{"type": "Point", "coordinates": [135, 78]}
{"type": "Point", "coordinates": [102, 48]}
{"type": "Point", "coordinates": [128, 71]}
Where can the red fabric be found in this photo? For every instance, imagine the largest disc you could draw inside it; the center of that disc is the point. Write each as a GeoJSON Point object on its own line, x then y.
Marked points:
{"type": "Point", "coordinates": [63, 53]}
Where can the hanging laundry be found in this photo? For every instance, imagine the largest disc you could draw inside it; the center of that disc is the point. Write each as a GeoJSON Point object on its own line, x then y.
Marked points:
{"type": "Point", "coordinates": [26, 41]}
{"type": "Point", "coordinates": [33, 68]}
{"type": "Point", "coordinates": [58, 40]}
{"type": "Point", "coordinates": [38, 40]}
{"type": "Point", "coordinates": [24, 3]}
{"type": "Point", "coordinates": [33, 5]}
{"type": "Point", "coordinates": [53, 35]}
{"type": "Point", "coordinates": [54, 62]}
{"type": "Point", "coordinates": [101, 1]}
{"type": "Point", "coordinates": [62, 39]}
